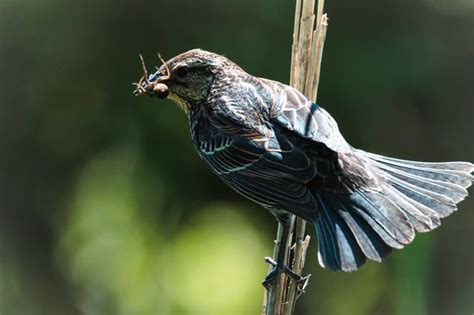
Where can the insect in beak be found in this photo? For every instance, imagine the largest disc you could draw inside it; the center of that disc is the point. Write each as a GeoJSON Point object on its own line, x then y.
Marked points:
{"type": "Point", "coordinates": [153, 85]}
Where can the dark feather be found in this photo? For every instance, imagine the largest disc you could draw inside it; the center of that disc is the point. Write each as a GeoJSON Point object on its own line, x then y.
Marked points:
{"type": "Point", "coordinates": [271, 144]}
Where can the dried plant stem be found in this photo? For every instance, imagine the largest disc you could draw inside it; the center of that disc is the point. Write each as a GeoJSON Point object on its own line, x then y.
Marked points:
{"type": "Point", "coordinates": [321, 38]}
{"type": "Point", "coordinates": [300, 248]}
{"type": "Point", "coordinates": [294, 46]}
{"type": "Point", "coordinates": [277, 293]}
{"type": "Point", "coordinates": [309, 35]}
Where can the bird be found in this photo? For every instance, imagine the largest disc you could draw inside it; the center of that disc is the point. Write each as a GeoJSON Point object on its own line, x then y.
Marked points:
{"type": "Point", "coordinates": [271, 144]}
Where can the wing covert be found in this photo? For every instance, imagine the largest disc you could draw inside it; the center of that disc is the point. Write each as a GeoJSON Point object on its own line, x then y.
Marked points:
{"type": "Point", "coordinates": [296, 113]}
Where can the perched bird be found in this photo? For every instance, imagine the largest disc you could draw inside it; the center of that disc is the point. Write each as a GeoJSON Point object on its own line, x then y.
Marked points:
{"type": "Point", "coordinates": [271, 144]}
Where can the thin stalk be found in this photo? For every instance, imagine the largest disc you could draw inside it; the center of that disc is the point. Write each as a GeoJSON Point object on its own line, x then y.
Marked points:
{"type": "Point", "coordinates": [301, 245]}
{"type": "Point", "coordinates": [304, 42]}
{"type": "Point", "coordinates": [313, 93]}
{"type": "Point", "coordinates": [309, 34]}
{"type": "Point", "coordinates": [275, 297]}
{"type": "Point", "coordinates": [294, 46]}
{"type": "Point", "coordinates": [271, 296]}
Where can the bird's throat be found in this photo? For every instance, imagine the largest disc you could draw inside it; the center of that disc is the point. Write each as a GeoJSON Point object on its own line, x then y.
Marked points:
{"type": "Point", "coordinates": [182, 103]}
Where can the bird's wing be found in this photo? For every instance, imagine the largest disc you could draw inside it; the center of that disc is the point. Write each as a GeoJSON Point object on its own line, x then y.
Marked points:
{"type": "Point", "coordinates": [339, 168]}
{"type": "Point", "coordinates": [263, 166]}
{"type": "Point", "coordinates": [293, 111]}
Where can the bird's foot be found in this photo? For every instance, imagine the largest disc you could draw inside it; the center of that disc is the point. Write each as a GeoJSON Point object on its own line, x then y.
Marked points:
{"type": "Point", "coordinates": [300, 281]}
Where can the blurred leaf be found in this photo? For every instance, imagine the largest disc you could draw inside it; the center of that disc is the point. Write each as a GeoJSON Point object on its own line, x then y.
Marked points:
{"type": "Point", "coordinates": [110, 251]}
{"type": "Point", "coordinates": [215, 266]}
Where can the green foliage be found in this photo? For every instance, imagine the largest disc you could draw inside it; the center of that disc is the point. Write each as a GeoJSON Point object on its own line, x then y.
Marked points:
{"type": "Point", "coordinates": [112, 253]}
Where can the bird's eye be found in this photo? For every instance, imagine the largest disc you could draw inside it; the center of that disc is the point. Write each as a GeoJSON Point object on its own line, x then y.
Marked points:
{"type": "Point", "coordinates": [182, 71]}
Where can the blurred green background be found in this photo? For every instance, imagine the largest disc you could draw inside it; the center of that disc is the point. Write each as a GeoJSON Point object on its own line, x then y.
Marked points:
{"type": "Point", "coordinates": [105, 208]}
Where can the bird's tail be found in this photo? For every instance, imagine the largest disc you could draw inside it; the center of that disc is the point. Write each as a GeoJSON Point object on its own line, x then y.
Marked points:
{"type": "Point", "coordinates": [413, 197]}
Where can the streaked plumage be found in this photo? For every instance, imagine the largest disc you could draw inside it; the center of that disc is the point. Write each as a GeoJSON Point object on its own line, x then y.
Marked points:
{"type": "Point", "coordinates": [272, 145]}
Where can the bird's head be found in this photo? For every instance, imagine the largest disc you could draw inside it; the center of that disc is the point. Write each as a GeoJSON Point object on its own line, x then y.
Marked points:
{"type": "Point", "coordinates": [186, 79]}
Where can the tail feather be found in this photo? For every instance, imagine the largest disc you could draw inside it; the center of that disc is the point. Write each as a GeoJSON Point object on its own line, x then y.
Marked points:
{"type": "Point", "coordinates": [421, 219]}
{"type": "Point", "coordinates": [455, 192]}
{"type": "Point", "coordinates": [413, 196]}
{"type": "Point", "coordinates": [353, 227]}
{"type": "Point", "coordinates": [386, 213]}
{"type": "Point", "coordinates": [342, 252]}
{"type": "Point", "coordinates": [328, 250]}
{"type": "Point", "coordinates": [465, 167]}
{"type": "Point", "coordinates": [458, 173]}
{"type": "Point", "coordinates": [369, 241]}
{"type": "Point", "coordinates": [347, 238]}
{"type": "Point", "coordinates": [441, 204]}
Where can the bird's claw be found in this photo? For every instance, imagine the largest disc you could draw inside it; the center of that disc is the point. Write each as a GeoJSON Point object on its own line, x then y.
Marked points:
{"type": "Point", "coordinates": [274, 273]}
{"type": "Point", "coordinates": [277, 269]}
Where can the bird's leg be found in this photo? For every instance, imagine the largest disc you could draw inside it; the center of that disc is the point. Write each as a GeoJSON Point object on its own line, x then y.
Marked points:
{"type": "Point", "coordinates": [279, 265]}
